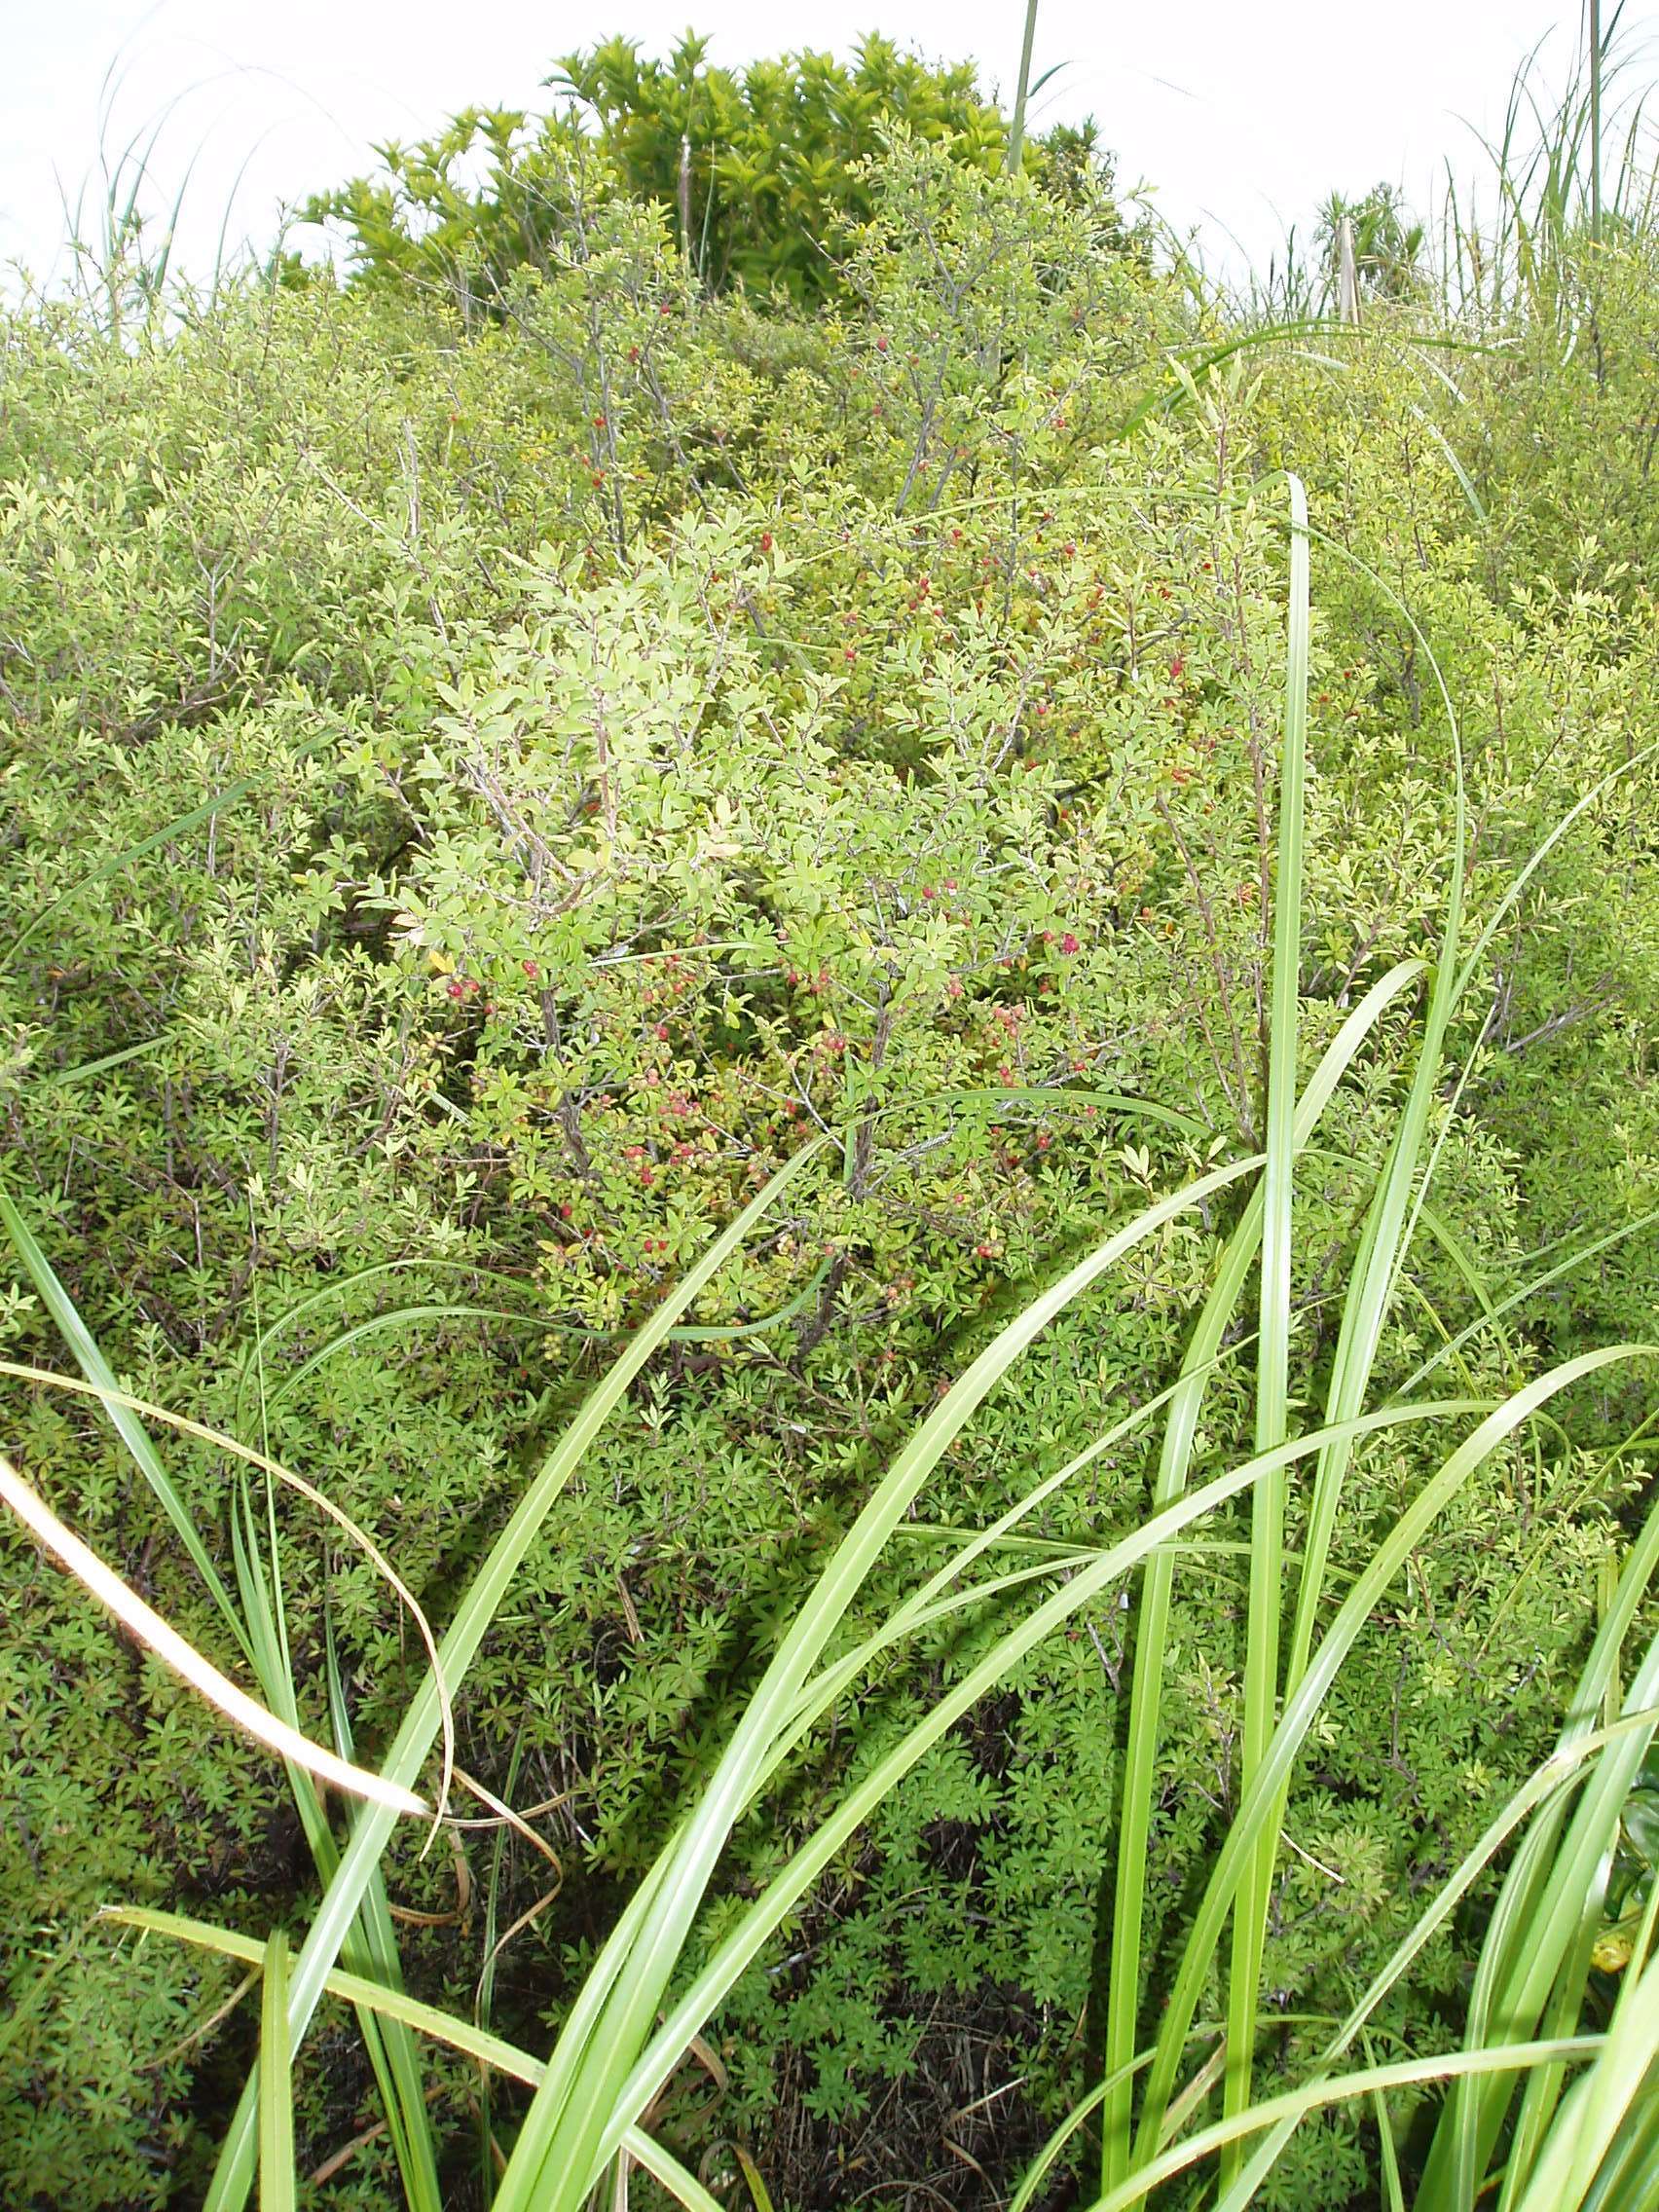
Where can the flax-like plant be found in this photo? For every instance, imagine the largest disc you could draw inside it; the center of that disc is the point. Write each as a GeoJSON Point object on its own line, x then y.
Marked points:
{"type": "Point", "coordinates": [636, 2015]}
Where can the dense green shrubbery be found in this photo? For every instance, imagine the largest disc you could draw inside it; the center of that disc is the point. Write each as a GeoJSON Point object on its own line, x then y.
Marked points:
{"type": "Point", "coordinates": [645, 730]}
{"type": "Point", "coordinates": [765, 180]}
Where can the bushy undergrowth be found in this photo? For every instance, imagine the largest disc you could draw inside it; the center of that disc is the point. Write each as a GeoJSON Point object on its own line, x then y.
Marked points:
{"type": "Point", "coordinates": [474, 800]}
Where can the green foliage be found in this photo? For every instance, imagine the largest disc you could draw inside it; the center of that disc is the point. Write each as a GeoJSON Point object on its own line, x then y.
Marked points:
{"type": "Point", "coordinates": [765, 180]}
{"type": "Point", "coordinates": [474, 798]}
{"type": "Point", "coordinates": [1387, 243]}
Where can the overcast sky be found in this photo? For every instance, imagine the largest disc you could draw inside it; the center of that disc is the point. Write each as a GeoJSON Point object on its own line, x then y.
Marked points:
{"type": "Point", "coordinates": [1244, 112]}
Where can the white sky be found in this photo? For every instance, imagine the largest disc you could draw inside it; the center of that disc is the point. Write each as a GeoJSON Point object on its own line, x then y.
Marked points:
{"type": "Point", "coordinates": [1244, 112]}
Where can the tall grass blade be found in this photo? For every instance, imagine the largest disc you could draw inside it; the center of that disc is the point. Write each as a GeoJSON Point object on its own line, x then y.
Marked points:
{"type": "Point", "coordinates": [1272, 1372]}
{"type": "Point", "coordinates": [390, 2043]}
{"type": "Point", "coordinates": [448, 2028]}
{"type": "Point", "coordinates": [1022, 92]}
{"type": "Point", "coordinates": [275, 2083]}
{"type": "Point", "coordinates": [1595, 58]}
{"type": "Point", "coordinates": [1597, 2105]}
{"type": "Point", "coordinates": [275, 1651]}
{"type": "Point", "coordinates": [1393, 2187]}
{"type": "Point", "coordinates": [490, 2051]}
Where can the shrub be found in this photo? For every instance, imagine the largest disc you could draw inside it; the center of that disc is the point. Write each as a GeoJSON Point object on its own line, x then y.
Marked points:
{"type": "Point", "coordinates": [477, 797]}
{"type": "Point", "coordinates": [765, 180]}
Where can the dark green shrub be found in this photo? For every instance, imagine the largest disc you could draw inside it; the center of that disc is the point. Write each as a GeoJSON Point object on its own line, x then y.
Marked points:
{"type": "Point", "coordinates": [765, 180]}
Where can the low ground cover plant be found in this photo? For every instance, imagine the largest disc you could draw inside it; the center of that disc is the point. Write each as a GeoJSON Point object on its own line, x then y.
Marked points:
{"type": "Point", "coordinates": [836, 1097]}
